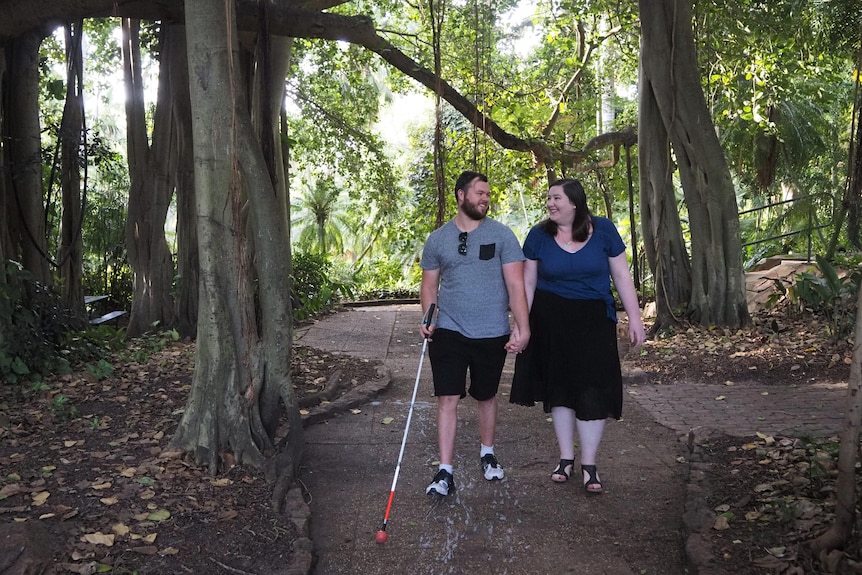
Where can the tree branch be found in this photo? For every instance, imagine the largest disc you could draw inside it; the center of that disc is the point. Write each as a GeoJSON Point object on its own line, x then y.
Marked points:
{"type": "Point", "coordinates": [360, 30]}
{"type": "Point", "coordinates": [576, 77]}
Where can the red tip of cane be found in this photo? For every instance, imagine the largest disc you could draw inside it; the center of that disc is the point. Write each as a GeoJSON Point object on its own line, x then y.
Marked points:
{"type": "Point", "coordinates": [382, 536]}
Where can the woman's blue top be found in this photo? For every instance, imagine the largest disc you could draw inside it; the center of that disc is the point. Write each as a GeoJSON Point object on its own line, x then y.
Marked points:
{"type": "Point", "coordinates": [584, 274]}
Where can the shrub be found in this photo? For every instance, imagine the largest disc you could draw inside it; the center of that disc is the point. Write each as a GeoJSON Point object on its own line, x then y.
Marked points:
{"type": "Point", "coordinates": [828, 294]}
{"type": "Point", "coordinates": [384, 279]}
{"type": "Point", "coordinates": [33, 326]}
{"type": "Point", "coordinates": [313, 289]}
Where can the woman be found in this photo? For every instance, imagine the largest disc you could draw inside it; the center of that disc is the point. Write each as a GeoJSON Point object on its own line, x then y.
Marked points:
{"type": "Point", "coordinates": [572, 364]}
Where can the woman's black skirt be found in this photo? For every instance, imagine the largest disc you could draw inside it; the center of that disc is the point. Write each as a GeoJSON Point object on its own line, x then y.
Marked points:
{"type": "Point", "coordinates": [572, 359]}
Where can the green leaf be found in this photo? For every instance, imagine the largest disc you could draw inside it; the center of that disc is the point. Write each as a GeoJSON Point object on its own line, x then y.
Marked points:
{"type": "Point", "coordinates": [19, 367]}
{"type": "Point", "coordinates": [160, 515]}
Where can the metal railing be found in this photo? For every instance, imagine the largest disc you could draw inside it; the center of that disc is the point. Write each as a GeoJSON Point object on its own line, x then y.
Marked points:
{"type": "Point", "coordinates": [806, 230]}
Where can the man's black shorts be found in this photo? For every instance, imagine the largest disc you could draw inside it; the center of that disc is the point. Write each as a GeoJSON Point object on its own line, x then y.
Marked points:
{"type": "Point", "coordinates": [452, 355]}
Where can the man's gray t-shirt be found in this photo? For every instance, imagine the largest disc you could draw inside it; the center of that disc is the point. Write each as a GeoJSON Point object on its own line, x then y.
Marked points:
{"type": "Point", "coordinates": [472, 298]}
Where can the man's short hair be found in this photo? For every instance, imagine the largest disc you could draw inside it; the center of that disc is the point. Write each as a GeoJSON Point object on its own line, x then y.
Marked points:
{"type": "Point", "coordinates": [464, 180]}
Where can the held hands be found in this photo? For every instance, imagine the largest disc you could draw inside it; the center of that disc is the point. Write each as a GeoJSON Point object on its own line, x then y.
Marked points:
{"type": "Point", "coordinates": [518, 340]}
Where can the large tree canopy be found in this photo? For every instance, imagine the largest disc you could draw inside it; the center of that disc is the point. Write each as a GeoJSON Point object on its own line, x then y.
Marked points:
{"type": "Point", "coordinates": [306, 20]}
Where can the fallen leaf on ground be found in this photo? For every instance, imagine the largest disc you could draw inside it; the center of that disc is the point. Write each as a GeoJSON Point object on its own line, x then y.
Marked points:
{"type": "Point", "coordinates": [159, 515]}
{"type": "Point", "coordinates": [721, 523]}
{"type": "Point", "coordinates": [99, 538]}
{"type": "Point", "coordinates": [40, 498]}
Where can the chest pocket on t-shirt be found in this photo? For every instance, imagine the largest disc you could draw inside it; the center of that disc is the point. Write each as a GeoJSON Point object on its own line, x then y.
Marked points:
{"type": "Point", "coordinates": [487, 251]}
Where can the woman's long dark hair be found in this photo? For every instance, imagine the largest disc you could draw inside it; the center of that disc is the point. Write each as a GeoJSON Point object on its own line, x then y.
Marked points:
{"type": "Point", "coordinates": [576, 194]}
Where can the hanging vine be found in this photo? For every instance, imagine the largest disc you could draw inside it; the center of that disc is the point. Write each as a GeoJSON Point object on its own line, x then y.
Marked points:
{"type": "Point", "coordinates": [849, 207]}
{"type": "Point", "coordinates": [437, 14]}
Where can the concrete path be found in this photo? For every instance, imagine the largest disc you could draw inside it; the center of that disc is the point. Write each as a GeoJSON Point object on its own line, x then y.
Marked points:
{"type": "Point", "coordinates": [525, 523]}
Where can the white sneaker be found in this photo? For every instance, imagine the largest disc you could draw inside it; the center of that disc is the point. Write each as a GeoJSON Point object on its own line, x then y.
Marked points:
{"type": "Point", "coordinates": [491, 468]}
{"type": "Point", "coordinates": [441, 485]}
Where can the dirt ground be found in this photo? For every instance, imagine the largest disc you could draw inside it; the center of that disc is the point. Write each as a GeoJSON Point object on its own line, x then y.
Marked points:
{"type": "Point", "coordinates": [84, 460]}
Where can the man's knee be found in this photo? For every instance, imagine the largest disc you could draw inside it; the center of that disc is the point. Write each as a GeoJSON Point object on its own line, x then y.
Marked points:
{"type": "Point", "coordinates": [447, 402]}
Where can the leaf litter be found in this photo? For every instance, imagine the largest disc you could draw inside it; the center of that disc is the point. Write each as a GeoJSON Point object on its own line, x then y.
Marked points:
{"type": "Point", "coordinates": [113, 494]}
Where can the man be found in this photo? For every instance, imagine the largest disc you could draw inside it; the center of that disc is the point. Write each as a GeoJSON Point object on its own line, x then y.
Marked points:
{"type": "Point", "coordinates": [472, 269]}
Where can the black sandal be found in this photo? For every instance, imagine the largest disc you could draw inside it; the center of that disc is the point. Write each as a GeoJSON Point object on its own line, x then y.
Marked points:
{"type": "Point", "coordinates": [560, 475]}
{"type": "Point", "coordinates": [592, 485]}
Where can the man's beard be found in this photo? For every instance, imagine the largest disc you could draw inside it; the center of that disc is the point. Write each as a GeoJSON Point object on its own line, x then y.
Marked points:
{"type": "Point", "coordinates": [472, 210]}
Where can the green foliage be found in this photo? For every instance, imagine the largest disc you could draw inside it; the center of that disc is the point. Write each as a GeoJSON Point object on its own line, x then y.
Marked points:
{"type": "Point", "coordinates": [828, 294]}
{"type": "Point", "coordinates": [820, 455]}
{"type": "Point", "coordinates": [839, 24]}
{"type": "Point", "coordinates": [340, 92]}
{"type": "Point", "coordinates": [105, 183]}
{"type": "Point", "coordinates": [346, 194]}
{"type": "Point", "coordinates": [38, 336]}
{"type": "Point", "coordinates": [33, 325]}
{"type": "Point", "coordinates": [383, 278]}
{"type": "Point", "coordinates": [61, 408]}
{"type": "Point", "coordinates": [775, 77]}
{"type": "Point", "coordinates": [13, 368]}
{"type": "Point", "coordinates": [152, 342]}
{"type": "Point", "coordinates": [106, 267]}
{"type": "Point", "coordinates": [318, 217]}
{"type": "Point", "coordinates": [100, 370]}
{"type": "Point", "coordinates": [38, 386]}
{"type": "Point", "coordinates": [313, 289]}
{"type": "Point", "coordinates": [93, 343]}
{"type": "Point", "coordinates": [790, 227]}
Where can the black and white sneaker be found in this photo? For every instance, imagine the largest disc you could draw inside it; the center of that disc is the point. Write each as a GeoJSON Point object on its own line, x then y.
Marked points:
{"type": "Point", "coordinates": [441, 485]}
{"type": "Point", "coordinates": [491, 468]}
